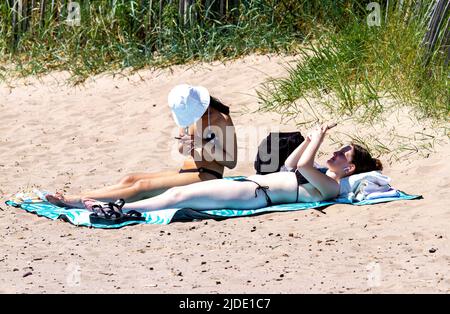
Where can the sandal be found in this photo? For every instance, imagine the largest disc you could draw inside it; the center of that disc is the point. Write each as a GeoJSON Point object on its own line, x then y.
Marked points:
{"type": "Point", "coordinates": [111, 213]}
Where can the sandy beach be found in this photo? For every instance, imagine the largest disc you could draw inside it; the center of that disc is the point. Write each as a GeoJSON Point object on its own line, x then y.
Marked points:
{"type": "Point", "coordinates": [55, 136]}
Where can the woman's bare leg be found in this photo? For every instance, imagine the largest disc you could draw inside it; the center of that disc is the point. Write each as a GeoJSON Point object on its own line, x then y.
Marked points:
{"type": "Point", "coordinates": [129, 180]}
{"type": "Point", "coordinates": [127, 186]}
{"type": "Point", "coordinates": [141, 189]}
{"type": "Point", "coordinates": [212, 194]}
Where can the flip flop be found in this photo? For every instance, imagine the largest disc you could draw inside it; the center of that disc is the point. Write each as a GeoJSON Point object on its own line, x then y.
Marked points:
{"type": "Point", "coordinates": [111, 213]}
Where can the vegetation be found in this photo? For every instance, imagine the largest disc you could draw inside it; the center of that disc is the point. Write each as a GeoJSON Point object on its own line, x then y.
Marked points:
{"type": "Point", "coordinates": [342, 57]}
{"type": "Point", "coordinates": [358, 64]}
{"type": "Point", "coordinates": [113, 34]}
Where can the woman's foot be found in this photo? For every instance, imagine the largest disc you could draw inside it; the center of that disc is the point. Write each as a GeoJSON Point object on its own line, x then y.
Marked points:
{"type": "Point", "coordinates": [93, 205]}
{"type": "Point", "coordinates": [89, 203]}
{"type": "Point", "coordinates": [65, 201]}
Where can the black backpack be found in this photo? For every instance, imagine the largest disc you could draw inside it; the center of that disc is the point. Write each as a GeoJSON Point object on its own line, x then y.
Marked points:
{"type": "Point", "coordinates": [275, 149]}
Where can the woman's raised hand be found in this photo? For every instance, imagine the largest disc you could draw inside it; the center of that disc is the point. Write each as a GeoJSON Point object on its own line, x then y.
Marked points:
{"type": "Point", "coordinates": [318, 133]}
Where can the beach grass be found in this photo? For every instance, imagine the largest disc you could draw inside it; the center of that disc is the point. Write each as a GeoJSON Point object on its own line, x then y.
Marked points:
{"type": "Point", "coordinates": [360, 64]}
{"type": "Point", "coordinates": [117, 34]}
{"type": "Point", "coordinates": [346, 65]}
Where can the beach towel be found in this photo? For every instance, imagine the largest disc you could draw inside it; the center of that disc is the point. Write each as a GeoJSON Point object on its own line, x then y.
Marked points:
{"type": "Point", "coordinates": [33, 202]}
{"type": "Point", "coordinates": [349, 185]}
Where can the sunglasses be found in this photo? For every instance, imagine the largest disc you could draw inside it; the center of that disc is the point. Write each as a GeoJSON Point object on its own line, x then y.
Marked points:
{"type": "Point", "coordinates": [342, 151]}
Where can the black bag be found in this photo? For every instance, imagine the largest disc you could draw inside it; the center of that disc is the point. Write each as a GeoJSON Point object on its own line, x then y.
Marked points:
{"type": "Point", "coordinates": [275, 149]}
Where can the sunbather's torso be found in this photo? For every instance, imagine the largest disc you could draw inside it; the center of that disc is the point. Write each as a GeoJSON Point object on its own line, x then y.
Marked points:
{"type": "Point", "coordinates": [218, 120]}
{"type": "Point", "coordinates": [283, 188]}
{"type": "Point", "coordinates": [189, 163]}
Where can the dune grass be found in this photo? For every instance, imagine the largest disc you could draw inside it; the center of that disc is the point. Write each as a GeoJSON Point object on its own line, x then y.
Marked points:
{"type": "Point", "coordinates": [359, 64]}
{"type": "Point", "coordinates": [346, 66]}
{"type": "Point", "coordinates": [117, 34]}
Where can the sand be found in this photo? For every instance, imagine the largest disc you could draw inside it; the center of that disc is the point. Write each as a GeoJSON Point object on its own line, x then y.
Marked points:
{"type": "Point", "coordinates": [58, 137]}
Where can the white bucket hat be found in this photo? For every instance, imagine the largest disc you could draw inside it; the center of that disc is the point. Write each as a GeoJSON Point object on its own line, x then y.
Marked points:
{"type": "Point", "coordinates": [188, 103]}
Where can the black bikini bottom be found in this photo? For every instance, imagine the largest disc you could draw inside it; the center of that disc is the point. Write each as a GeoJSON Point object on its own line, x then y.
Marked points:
{"type": "Point", "coordinates": [203, 170]}
{"type": "Point", "coordinates": [260, 187]}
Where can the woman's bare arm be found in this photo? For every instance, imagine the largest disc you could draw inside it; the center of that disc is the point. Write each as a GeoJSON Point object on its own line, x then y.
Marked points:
{"type": "Point", "coordinates": [327, 186]}
{"type": "Point", "coordinates": [292, 160]}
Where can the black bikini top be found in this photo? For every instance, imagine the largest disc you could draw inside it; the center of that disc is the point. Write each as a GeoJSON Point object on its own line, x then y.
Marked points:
{"type": "Point", "coordinates": [300, 178]}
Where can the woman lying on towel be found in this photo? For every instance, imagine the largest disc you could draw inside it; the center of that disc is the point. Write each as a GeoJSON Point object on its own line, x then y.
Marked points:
{"type": "Point", "coordinates": [197, 114]}
{"type": "Point", "coordinates": [258, 191]}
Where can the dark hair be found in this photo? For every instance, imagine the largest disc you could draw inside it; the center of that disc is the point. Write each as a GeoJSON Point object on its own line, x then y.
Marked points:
{"type": "Point", "coordinates": [219, 106]}
{"type": "Point", "coordinates": [363, 161]}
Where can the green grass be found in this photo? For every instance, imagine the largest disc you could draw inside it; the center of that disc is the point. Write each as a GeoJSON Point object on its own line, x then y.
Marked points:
{"type": "Point", "coordinates": [346, 66]}
{"type": "Point", "coordinates": [115, 34]}
{"type": "Point", "coordinates": [358, 65]}
{"type": "Point", "coordinates": [119, 34]}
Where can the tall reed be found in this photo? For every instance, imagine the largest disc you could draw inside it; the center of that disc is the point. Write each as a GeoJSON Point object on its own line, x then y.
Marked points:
{"type": "Point", "coordinates": [360, 64]}
{"type": "Point", "coordinates": [113, 34]}
{"type": "Point", "coordinates": [406, 57]}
